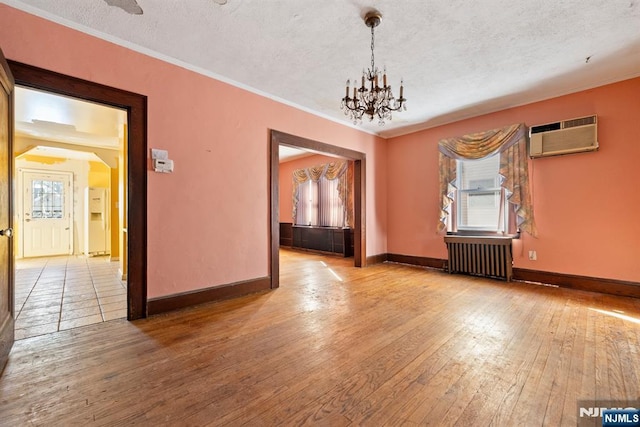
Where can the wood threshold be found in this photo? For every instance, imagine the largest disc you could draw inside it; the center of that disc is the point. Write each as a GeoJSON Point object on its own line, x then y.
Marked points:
{"type": "Point", "coordinates": [314, 251]}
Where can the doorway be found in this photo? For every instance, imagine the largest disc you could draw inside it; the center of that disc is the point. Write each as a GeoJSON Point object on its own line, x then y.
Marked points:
{"type": "Point", "coordinates": [135, 252]}
{"type": "Point", "coordinates": [69, 212]}
{"type": "Point", "coordinates": [359, 160]}
{"type": "Point", "coordinates": [44, 202]}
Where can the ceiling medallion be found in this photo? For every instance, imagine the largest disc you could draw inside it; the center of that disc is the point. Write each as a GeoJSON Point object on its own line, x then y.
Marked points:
{"type": "Point", "coordinates": [371, 98]}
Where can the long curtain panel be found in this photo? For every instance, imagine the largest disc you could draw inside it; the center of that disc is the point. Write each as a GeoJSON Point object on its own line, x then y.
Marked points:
{"type": "Point", "coordinates": [330, 184]}
{"type": "Point", "coordinates": [510, 142]}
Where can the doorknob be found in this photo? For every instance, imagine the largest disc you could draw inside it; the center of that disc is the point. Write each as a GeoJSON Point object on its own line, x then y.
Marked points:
{"type": "Point", "coordinates": [8, 232]}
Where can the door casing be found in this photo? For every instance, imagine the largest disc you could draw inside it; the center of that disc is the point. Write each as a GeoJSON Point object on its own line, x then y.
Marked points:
{"type": "Point", "coordinates": [136, 107]}
{"type": "Point", "coordinates": [359, 160]}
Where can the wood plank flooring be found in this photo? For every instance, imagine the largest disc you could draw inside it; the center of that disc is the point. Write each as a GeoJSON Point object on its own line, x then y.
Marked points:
{"type": "Point", "coordinates": [337, 345]}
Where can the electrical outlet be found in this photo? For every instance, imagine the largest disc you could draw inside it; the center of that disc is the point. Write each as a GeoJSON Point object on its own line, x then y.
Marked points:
{"type": "Point", "coordinates": [533, 256]}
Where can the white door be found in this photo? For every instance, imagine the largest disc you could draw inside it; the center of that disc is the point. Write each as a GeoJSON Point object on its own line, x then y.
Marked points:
{"type": "Point", "coordinates": [47, 213]}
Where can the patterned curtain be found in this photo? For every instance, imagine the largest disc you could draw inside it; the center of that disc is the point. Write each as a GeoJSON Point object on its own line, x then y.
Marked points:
{"type": "Point", "coordinates": [448, 172]}
{"type": "Point", "coordinates": [511, 143]}
{"type": "Point", "coordinates": [300, 176]}
{"type": "Point", "coordinates": [334, 181]}
{"type": "Point", "coordinates": [345, 188]}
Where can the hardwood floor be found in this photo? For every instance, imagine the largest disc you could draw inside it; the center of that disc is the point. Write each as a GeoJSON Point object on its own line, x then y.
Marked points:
{"type": "Point", "coordinates": [337, 345]}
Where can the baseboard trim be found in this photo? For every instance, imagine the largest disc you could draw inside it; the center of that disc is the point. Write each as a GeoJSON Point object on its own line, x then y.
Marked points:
{"type": "Point", "coordinates": [376, 259]}
{"type": "Point", "coordinates": [200, 296]}
{"type": "Point", "coordinates": [418, 260]}
{"type": "Point", "coordinates": [583, 283]}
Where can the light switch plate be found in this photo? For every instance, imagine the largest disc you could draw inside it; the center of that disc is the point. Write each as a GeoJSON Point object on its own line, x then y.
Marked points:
{"type": "Point", "coordinates": [157, 154]}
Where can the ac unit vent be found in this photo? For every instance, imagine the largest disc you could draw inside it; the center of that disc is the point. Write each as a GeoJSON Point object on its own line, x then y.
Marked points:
{"type": "Point", "coordinates": [591, 120]}
{"type": "Point", "coordinates": [565, 137]}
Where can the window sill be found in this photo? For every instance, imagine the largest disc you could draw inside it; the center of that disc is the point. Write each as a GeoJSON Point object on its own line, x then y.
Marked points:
{"type": "Point", "coordinates": [478, 233]}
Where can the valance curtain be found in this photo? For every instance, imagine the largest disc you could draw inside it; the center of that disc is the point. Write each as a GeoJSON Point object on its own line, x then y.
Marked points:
{"type": "Point", "coordinates": [342, 171]}
{"type": "Point", "coordinates": [511, 143]}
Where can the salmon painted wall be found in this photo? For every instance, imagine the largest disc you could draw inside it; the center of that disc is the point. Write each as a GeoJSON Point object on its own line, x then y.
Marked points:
{"type": "Point", "coordinates": [286, 181]}
{"type": "Point", "coordinates": [208, 221]}
{"type": "Point", "coordinates": [587, 205]}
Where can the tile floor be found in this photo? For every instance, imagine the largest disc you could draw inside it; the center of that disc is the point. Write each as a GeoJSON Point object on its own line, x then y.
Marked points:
{"type": "Point", "coordinates": [64, 292]}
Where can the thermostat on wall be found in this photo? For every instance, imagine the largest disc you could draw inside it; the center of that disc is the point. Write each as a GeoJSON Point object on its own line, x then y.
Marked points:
{"type": "Point", "coordinates": [164, 166]}
{"type": "Point", "coordinates": [161, 161]}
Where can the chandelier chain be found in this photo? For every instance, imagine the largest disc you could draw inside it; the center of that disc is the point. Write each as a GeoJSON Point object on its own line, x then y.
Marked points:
{"type": "Point", "coordinates": [372, 45]}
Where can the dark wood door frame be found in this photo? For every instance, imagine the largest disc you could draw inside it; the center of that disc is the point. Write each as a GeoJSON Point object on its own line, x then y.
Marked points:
{"type": "Point", "coordinates": [136, 107]}
{"type": "Point", "coordinates": [359, 172]}
{"type": "Point", "coordinates": [7, 278]}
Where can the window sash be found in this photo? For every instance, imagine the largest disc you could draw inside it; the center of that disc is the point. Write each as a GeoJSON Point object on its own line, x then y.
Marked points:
{"type": "Point", "coordinates": [487, 217]}
{"type": "Point", "coordinates": [474, 211]}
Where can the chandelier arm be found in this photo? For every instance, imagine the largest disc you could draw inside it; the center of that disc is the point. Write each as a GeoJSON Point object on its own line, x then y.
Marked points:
{"type": "Point", "coordinates": [354, 107]}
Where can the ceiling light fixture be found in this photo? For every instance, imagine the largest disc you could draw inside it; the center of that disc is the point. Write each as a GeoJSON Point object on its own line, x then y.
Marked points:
{"type": "Point", "coordinates": [370, 98]}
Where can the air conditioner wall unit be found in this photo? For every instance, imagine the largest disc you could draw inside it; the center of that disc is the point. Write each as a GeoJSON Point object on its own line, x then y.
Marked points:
{"type": "Point", "coordinates": [565, 137]}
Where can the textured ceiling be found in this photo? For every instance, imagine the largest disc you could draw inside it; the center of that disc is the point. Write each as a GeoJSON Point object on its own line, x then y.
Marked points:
{"type": "Point", "coordinates": [458, 58]}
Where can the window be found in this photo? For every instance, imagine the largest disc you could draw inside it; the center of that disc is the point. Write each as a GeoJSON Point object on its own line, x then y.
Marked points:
{"type": "Point", "coordinates": [319, 203]}
{"type": "Point", "coordinates": [481, 204]}
{"type": "Point", "coordinates": [47, 199]}
{"type": "Point", "coordinates": [307, 212]}
{"type": "Point", "coordinates": [480, 196]}
{"type": "Point", "coordinates": [323, 195]}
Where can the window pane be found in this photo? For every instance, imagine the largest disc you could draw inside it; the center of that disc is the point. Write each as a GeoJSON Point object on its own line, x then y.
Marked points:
{"type": "Point", "coordinates": [47, 199]}
{"type": "Point", "coordinates": [480, 209]}
{"type": "Point", "coordinates": [478, 174]}
{"type": "Point", "coordinates": [478, 196]}
{"type": "Point", "coordinates": [307, 207]}
{"type": "Point", "coordinates": [331, 211]}
{"type": "Point", "coordinates": [57, 187]}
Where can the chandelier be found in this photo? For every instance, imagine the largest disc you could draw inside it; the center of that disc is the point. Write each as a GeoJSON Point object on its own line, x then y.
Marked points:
{"type": "Point", "coordinates": [370, 98]}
